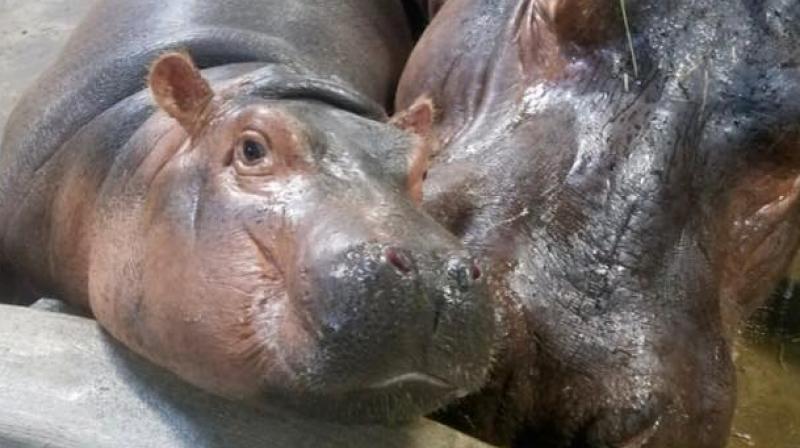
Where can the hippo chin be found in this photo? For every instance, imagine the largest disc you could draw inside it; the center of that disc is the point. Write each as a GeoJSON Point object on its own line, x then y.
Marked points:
{"type": "Point", "coordinates": [634, 196]}
{"type": "Point", "coordinates": [252, 226]}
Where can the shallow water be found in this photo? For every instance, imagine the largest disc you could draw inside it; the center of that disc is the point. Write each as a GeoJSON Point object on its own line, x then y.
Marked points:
{"type": "Point", "coordinates": [768, 367]}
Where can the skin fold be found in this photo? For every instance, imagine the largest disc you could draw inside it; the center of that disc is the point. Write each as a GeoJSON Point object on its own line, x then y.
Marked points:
{"type": "Point", "coordinates": [218, 184]}
{"type": "Point", "coordinates": [634, 195]}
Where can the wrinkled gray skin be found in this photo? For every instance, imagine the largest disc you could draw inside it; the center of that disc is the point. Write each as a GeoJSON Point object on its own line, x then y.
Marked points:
{"type": "Point", "coordinates": [319, 284]}
{"type": "Point", "coordinates": [629, 227]}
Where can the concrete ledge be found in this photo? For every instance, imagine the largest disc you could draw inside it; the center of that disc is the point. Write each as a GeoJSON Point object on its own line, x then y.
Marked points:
{"type": "Point", "coordinates": [65, 384]}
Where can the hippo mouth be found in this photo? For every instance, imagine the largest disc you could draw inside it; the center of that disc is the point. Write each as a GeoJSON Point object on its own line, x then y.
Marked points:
{"type": "Point", "coordinates": [411, 378]}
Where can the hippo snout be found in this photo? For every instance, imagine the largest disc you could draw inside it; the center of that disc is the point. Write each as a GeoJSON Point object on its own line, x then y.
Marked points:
{"type": "Point", "coordinates": [386, 301]}
{"type": "Point", "coordinates": [463, 272]}
{"type": "Point", "coordinates": [390, 319]}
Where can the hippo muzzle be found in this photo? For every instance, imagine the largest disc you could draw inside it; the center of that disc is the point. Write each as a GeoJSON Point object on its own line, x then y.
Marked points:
{"type": "Point", "coordinates": [422, 292]}
{"type": "Point", "coordinates": [388, 323]}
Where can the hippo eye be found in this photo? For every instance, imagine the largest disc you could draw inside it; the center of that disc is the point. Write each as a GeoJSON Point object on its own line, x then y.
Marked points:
{"type": "Point", "coordinates": [425, 176]}
{"type": "Point", "coordinates": [253, 154]}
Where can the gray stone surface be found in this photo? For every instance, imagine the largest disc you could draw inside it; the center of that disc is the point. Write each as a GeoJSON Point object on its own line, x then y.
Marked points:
{"type": "Point", "coordinates": [31, 35]}
{"type": "Point", "coordinates": [65, 384]}
{"type": "Point", "coordinates": [56, 306]}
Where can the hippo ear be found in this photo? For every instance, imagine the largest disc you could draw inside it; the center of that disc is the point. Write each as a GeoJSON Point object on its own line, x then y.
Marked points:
{"type": "Point", "coordinates": [179, 88]}
{"type": "Point", "coordinates": [418, 119]}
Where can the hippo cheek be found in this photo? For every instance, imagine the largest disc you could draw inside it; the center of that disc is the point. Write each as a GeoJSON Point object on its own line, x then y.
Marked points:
{"type": "Point", "coordinates": [190, 302]}
{"type": "Point", "coordinates": [250, 332]}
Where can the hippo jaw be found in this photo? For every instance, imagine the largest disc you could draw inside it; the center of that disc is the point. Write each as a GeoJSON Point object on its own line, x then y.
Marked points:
{"type": "Point", "coordinates": [270, 251]}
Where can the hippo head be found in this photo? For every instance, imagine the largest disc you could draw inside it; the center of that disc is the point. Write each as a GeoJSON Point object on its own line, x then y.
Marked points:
{"type": "Point", "coordinates": [651, 185]}
{"type": "Point", "coordinates": [262, 241]}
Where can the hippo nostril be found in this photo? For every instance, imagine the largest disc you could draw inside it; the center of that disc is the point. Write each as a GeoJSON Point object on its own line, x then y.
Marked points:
{"type": "Point", "coordinates": [463, 275]}
{"type": "Point", "coordinates": [398, 259]}
{"type": "Point", "coordinates": [476, 271]}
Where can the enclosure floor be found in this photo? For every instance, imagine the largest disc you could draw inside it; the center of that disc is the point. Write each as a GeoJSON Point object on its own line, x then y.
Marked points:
{"type": "Point", "coordinates": [31, 34]}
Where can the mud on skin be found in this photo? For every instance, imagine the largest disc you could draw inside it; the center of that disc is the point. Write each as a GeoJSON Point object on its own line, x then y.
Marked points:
{"type": "Point", "coordinates": [631, 213]}
{"type": "Point", "coordinates": [252, 224]}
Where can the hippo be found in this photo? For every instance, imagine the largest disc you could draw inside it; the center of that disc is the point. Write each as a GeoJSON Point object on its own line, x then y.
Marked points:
{"type": "Point", "coordinates": [629, 172]}
{"type": "Point", "coordinates": [217, 183]}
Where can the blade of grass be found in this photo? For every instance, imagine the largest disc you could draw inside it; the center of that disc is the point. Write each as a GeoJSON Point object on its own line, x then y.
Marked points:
{"type": "Point", "coordinates": [630, 38]}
